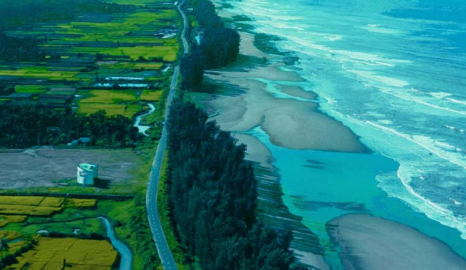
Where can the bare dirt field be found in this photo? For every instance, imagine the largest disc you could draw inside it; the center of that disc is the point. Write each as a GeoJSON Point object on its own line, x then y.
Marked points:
{"type": "Point", "coordinates": [46, 166]}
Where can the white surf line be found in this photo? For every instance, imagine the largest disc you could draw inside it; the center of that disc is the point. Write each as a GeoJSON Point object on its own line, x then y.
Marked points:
{"type": "Point", "coordinates": [455, 222]}
{"type": "Point", "coordinates": [457, 101]}
{"type": "Point", "coordinates": [434, 151]}
{"type": "Point", "coordinates": [421, 102]}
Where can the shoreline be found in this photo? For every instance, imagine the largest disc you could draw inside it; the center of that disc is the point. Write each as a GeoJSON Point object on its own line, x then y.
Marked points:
{"type": "Point", "coordinates": [242, 108]}
{"type": "Point", "coordinates": [238, 123]}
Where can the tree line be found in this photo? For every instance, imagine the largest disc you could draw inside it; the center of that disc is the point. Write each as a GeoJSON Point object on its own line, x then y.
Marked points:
{"type": "Point", "coordinates": [20, 49]}
{"type": "Point", "coordinates": [28, 125]}
{"type": "Point", "coordinates": [218, 46]}
{"type": "Point", "coordinates": [16, 13]}
{"type": "Point", "coordinates": [213, 197]}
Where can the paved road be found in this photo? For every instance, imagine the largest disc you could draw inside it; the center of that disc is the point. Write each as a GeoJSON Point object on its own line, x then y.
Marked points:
{"type": "Point", "coordinates": [185, 28]}
{"type": "Point", "coordinates": [165, 254]}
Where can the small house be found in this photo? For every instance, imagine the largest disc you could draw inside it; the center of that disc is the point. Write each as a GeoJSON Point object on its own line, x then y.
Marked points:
{"type": "Point", "coordinates": [87, 173]}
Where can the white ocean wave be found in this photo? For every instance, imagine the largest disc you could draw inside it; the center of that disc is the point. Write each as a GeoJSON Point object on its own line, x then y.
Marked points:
{"type": "Point", "coordinates": [457, 101]}
{"type": "Point", "coordinates": [426, 143]}
{"type": "Point", "coordinates": [440, 95]}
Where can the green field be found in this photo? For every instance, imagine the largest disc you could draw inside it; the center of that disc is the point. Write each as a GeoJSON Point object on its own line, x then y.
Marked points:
{"type": "Point", "coordinates": [77, 217]}
{"type": "Point", "coordinates": [82, 52]}
{"type": "Point", "coordinates": [149, 95]}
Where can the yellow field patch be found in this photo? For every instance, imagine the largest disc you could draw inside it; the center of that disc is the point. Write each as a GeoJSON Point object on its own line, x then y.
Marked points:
{"type": "Point", "coordinates": [10, 235]}
{"type": "Point", "coordinates": [78, 253]}
{"type": "Point", "coordinates": [20, 200]}
{"type": "Point", "coordinates": [40, 72]}
{"type": "Point", "coordinates": [109, 96]}
{"type": "Point", "coordinates": [28, 210]}
{"type": "Point", "coordinates": [110, 101]}
{"type": "Point", "coordinates": [110, 109]}
{"type": "Point", "coordinates": [52, 202]}
{"type": "Point", "coordinates": [30, 205]}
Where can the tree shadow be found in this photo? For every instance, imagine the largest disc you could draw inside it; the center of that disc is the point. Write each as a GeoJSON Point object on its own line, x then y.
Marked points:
{"type": "Point", "coordinates": [102, 183]}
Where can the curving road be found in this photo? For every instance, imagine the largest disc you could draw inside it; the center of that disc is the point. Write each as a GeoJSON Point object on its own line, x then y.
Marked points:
{"type": "Point", "coordinates": [163, 250]}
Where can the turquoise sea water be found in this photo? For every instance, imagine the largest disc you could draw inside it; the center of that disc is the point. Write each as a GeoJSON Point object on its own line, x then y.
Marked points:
{"type": "Point", "coordinates": [320, 186]}
{"type": "Point", "coordinates": [395, 73]}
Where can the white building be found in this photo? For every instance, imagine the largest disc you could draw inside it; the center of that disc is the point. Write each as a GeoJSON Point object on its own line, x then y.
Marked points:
{"type": "Point", "coordinates": [87, 173]}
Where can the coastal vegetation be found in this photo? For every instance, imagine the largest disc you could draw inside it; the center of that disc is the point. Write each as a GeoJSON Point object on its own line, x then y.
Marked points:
{"type": "Point", "coordinates": [219, 46]}
{"type": "Point", "coordinates": [163, 205]}
{"type": "Point", "coordinates": [211, 183]}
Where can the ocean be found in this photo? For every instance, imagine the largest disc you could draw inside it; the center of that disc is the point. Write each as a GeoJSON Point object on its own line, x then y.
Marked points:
{"type": "Point", "coordinates": [394, 71]}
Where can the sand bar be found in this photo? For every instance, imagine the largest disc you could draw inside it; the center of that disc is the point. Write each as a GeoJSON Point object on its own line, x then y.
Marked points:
{"type": "Point", "coordinates": [372, 243]}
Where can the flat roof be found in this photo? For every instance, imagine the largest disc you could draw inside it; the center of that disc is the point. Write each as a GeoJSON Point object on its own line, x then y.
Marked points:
{"type": "Point", "coordinates": [87, 166]}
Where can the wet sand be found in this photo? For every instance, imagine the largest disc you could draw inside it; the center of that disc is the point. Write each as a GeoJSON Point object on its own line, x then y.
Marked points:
{"type": "Point", "coordinates": [297, 92]}
{"type": "Point", "coordinates": [372, 243]}
{"type": "Point", "coordinates": [255, 151]}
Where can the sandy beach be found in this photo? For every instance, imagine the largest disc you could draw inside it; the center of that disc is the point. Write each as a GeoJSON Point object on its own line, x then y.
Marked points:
{"type": "Point", "coordinates": [290, 122]}
{"type": "Point", "coordinates": [374, 243]}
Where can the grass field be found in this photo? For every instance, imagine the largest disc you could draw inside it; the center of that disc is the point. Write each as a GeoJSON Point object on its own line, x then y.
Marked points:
{"type": "Point", "coordinates": [80, 203]}
{"type": "Point", "coordinates": [30, 89]}
{"type": "Point", "coordinates": [149, 95]}
{"type": "Point", "coordinates": [7, 219]}
{"type": "Point", "coordinates": [40, 72]}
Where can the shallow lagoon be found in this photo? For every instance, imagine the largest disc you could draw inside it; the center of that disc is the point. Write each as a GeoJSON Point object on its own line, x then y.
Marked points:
{"type": "Point", "coordinates": [320, 186]}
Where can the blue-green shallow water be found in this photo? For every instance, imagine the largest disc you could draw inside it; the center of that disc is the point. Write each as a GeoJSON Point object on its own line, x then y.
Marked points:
{"type": "Point", "coordinates": [394, 72]}
{"type": "Point", "coordinates": [320, 186]}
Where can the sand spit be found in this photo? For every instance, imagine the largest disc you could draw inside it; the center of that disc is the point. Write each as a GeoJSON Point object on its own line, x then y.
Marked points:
{"type": "Point", "coordinates": [289, 123]}
{"type": "Point", "coordinates": [374, 243]}
{"type": "Point", "coordinates": [256, 151]}
{"type": "Point", "coordinates": [297, 92]}
{"type": "Point", "coordinates": [247, 38]}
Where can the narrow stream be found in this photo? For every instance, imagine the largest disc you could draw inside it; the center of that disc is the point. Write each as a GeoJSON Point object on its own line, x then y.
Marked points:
{"type": "Point", "coordinates": [137, 123]}
{"type": "Point", "coordinates": [126, 257]}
